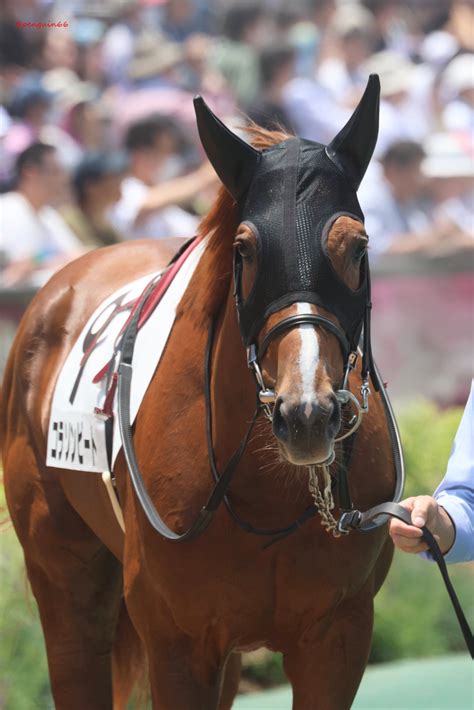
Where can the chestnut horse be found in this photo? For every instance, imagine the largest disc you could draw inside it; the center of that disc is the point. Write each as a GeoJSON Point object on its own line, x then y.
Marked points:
{"type": "Point", "coordinates": [115, 605]}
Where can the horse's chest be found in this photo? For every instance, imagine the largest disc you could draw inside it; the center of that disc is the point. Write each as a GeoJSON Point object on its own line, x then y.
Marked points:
{"type": "Point", "coordinates": [248, 594]}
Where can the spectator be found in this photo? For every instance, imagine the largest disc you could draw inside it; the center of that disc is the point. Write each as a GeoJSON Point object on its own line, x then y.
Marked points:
{"type": "Point", "coordinates": [343, 74]}
{"type": "Point", "coordinates": [312, 110]}
{"type": "Point", "coordinates": [393, 206]}
{"type": "Point", "coordinates": [277, 67]}
{"type": "Point", "coordinates": [88, 36]}
{"type": "Point", "coordinates": [34, 239]}
{"type": "Point", "coordinates": [307, 34]}
{"type": "Point", "coordinates": [29, 107]}
{"type": "Point", "coordinates": [319, 14]}
{"type": "Point", "coordinates": [150, 199]}
{"type": "Point", "coordinates": [15, 57]}
{"type": "Point", "coordinates": [155, 61]}
{"type": "Point", "coordinates": [246, 30]}
{"type": "Point", "coordinates": [399, 216]}
{"type": "Point", "coordinates": [96, 185]}
{"type": "Point", "coordinates": [59, 50]}
{"type": "Point", "coordinates": [115, 65]}
{"type": "Point", "coordinates": [198, 75]}
{"type": "Point", "coordinates": [457, 90]}
{"type": "Point", "coordinates": [183, 18]}
{"type": "Point", "coordinates": [119, 41]}
{"type": "Point", "coordinates": [461, 20]}
{"type": "Point", "coordinates": [449, 165]}
{"type": "Point", "coordinates": [386, 14]}
{"type": "Point", "coordinates": [403, 114]}
{"type": "Point", "coordinates": [160, 75]}
{"type": "Point", "coordinates": [83, 117]}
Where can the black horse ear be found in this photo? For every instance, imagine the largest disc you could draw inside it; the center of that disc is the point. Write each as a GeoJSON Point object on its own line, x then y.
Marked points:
{"type": "Point", "coordinates": [233, 160]}
{"type": "Point", "coordinates": [352, 148]}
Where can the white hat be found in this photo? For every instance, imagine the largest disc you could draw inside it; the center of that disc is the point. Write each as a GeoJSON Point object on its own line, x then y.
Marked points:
{"type": "Point", "coordinates": [438, 48]}
{"type": "Point", "coordinates": [352, 18]}
{"type": "Point", "coordinates": [448, 155]}
{"type": "Point", "coordinates": [458, 75]}
{"type": "Point", "coordinates": [394, 70]}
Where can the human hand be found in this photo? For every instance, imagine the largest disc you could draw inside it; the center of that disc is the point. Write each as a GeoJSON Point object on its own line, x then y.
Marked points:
{"type": "Point", "coordinates": [425, 511]}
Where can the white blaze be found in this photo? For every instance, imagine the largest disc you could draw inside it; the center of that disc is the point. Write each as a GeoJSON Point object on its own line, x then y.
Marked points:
{"type": "Point", "coordinates": [308, 359]}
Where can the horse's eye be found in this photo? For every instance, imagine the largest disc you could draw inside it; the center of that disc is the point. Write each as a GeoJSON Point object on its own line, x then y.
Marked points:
{"type": "Point", "coordinates": [360, 250]}
{"type": "Point", "coordinates": [245, 250]}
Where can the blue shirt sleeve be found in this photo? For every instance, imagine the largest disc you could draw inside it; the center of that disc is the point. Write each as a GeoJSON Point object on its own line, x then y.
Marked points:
{"type": "Point", "coordinates": [455, 493]}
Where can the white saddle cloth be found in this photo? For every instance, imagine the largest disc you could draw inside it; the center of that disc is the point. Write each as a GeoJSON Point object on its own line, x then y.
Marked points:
{"type": "Point", "coordinates": [76, 435]}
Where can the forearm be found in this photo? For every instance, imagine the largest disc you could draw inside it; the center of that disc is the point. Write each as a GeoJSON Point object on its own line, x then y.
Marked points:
{"type": "Point", "coordinates": [446, 530]}
{"type": "Point", "coordinates": [171, 193]}
{"type": "Point", "coordinates": [462, 519]}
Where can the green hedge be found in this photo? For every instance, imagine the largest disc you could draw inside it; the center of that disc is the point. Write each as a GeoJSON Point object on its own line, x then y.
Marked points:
{"type": "Point", "coordinates": [24, 683]}
{"type": "Point", "coordinates": [413, 612]}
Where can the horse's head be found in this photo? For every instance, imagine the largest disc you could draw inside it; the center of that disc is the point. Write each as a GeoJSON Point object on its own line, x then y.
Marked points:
{"type": "Point", "coordinates": [300, 268]}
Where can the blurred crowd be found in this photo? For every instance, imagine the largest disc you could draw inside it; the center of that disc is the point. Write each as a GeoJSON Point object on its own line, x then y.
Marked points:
{"type": "Point", "coordinates": [97, 135]}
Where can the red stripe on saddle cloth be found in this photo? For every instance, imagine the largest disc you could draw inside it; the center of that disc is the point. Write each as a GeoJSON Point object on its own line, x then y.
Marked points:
{"type": "Point", "coordinates": [165, 282]}
{"type": "Point", "coordinates": [153, 299]}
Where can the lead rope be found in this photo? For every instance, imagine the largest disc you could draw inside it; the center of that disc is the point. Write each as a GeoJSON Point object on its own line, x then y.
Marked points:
{"type": "Point", "coordinates": [324, 502]}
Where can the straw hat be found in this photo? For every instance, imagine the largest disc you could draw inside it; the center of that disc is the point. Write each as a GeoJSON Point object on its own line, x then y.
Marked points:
{"type": "Point", "coordinates": [154, 55]}
{"type": "Point", "coordinates": [68, 89]}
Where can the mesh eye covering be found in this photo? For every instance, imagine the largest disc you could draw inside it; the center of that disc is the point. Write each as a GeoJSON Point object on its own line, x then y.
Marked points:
{"type": "Point", "coordinates": [294, 198]}
{"type": "Point", "coordinates": [291, 193]}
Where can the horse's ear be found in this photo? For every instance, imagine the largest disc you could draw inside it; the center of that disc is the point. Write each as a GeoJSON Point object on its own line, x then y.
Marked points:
{"type": "Point", "coordinates": [352, 148]}
{"type": "Point", "coordinates": [233, 160]}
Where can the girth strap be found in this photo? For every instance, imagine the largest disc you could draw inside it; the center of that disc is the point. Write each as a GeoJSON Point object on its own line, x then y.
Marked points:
{"type": "Point", "coordinates": [361, 521]}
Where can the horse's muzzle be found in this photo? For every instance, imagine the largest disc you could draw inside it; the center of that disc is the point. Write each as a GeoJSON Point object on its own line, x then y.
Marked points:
{"type": "Point", "coordinates": [307, 430]}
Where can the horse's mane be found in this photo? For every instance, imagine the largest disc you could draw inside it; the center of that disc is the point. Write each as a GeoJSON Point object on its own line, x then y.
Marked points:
{"type": "Point", "coordinates": [219, 227]}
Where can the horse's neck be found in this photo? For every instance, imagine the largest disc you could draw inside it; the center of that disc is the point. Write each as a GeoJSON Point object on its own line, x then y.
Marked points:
{"type": "Point", "coordinates": [233, 388]}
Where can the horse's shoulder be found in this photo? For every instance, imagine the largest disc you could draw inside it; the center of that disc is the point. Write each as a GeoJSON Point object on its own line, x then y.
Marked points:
{"type": "Point", "coordinates": [70, 297]}
{"type": "Point", "coordinates": [60, 310]}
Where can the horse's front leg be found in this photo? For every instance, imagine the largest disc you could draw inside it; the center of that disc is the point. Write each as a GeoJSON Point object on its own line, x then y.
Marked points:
{"type": "Point", "coordinates": [325, 666]}
{"type": "Point", "coordinates": [183, 677]}
{"type": "Point", "coordinates": [185, 673]}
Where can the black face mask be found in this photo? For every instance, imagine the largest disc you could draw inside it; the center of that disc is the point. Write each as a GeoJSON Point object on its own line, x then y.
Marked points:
{"type": "Point", "coordinates": [291, 194]}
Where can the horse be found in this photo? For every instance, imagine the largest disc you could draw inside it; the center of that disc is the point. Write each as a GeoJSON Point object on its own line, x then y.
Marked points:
{"type": "Point", "coordinates": [119, 606]}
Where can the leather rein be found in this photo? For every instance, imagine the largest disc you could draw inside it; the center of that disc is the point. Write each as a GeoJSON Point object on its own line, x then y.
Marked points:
{"type": "Point", "coordinates": [351, 518]}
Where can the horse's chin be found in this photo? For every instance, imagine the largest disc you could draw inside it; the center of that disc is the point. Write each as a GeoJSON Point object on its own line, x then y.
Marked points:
{"type": "Point", "coordinates": [325, 457]}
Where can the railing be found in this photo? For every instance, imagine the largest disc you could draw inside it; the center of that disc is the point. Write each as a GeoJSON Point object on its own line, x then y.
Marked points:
{"type": "Point", "coordinates": [422, 327]}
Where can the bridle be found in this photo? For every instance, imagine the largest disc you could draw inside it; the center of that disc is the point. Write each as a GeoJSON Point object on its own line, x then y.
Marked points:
{"type": "Point", "coordinates": [350, 518]}
{"type": "Point", "coordinates": [264, 399]}
{"type": "Point", "coordinates": [267, 396]}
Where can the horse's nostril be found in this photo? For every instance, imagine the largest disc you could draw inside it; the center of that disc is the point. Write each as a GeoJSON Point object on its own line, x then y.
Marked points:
{"type": "Point", "coordinates": [280, 426]}
{"type": "Point", "coordinates": [334, 421]}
